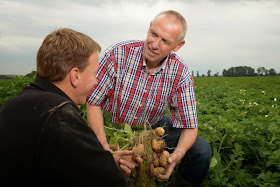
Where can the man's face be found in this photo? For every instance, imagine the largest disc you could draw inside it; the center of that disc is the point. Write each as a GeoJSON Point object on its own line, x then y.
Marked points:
{"type": "Point", "coordinates": [88, 78]}
{"type": "Point", "coordinates": [162, 38]}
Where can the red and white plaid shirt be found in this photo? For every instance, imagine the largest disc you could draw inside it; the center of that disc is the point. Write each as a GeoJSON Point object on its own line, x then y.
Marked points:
{"type": "Point", "coordinates": [133, 95]}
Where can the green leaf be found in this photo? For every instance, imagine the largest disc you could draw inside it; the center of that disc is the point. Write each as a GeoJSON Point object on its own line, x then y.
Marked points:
{"type": "Point", "coordinates": [213, 162]}
{"type": "Point", "coordinates": [276, 153]}
{"type": "Point", "coordinates": [127, 128]}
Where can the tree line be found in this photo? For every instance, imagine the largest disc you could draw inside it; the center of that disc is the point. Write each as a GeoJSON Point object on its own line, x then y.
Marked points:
{"type": "Point", "coordinates": [241, 71]}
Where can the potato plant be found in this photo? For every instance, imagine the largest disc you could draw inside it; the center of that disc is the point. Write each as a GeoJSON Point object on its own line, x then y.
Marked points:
{"type": "Point", "coordinates": [239, 117]}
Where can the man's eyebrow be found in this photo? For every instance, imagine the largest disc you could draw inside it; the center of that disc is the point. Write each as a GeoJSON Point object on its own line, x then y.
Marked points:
{"type": "Point", "coordinates": [151, 30]}
{"type": "Point", "coordinates": [163, 39]}
{"type": "Point", "coordinates": [167, 41]}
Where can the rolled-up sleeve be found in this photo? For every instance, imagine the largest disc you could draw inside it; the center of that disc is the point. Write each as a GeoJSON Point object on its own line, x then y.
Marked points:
{"type": "Point", "coordinates": [183, 105]}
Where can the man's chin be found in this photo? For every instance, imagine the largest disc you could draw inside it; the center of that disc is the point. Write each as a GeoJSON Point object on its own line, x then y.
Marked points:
{"type": "Point", "coordinates": [150, 59]}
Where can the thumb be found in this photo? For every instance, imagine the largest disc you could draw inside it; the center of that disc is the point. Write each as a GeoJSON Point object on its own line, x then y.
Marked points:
{"type": "Point", "coordinates": [172, 158]}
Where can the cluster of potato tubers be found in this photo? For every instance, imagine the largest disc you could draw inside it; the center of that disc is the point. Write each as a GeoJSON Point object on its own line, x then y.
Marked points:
{"type": "Point", "coordinates": [150, 146]}
{"type": "Point", "coordinates": [158, 145]}
{"type": "Point", "coordinates": [146, 144]}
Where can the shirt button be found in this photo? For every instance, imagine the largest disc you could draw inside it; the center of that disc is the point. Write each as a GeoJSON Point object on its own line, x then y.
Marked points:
{"type": "Point", "coordinates": [140, 105]}
{"type": "Point", "coordinates": [135, 118]}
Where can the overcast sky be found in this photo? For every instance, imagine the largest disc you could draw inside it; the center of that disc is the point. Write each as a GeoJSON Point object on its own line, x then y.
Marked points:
{"type": "Point", "coordinates": [221, 33]}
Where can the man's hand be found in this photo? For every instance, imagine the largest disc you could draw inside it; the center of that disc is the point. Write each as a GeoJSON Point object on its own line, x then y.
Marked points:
{"type": "Point", "coordinates": [174, 158]}
{"type": "Point", "coordinates": [186, 140]}
{"type": "Point", "coordinates": [125, 161]}
{"type": "Point", "coordinates": [107, 147]}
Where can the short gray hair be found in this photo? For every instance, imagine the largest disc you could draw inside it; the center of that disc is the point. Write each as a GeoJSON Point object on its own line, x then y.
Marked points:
{"type": "Point", "coordinates": [179, 18]}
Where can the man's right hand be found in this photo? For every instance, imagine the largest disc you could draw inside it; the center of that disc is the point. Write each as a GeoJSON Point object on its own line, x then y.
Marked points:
{"type": "Point", "coordinates": [124, 160]}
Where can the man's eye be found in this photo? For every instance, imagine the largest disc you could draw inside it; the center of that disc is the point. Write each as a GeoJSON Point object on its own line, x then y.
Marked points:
{"type": "Point", "coordinates": [166, 42]}
{"type": "Point", "coordinates": [153, 34]}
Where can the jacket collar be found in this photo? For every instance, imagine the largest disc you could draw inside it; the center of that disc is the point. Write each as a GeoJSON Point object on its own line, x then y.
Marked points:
{"type": "Point", "coordinates": [46, 85]}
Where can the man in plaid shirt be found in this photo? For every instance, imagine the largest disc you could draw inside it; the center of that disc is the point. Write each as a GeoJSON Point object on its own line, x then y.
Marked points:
{"type": "Point", "coordinates": [139, 81]}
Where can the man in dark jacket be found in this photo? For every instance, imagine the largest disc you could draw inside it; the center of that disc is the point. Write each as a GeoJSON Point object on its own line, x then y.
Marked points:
{"type": "Point", "coordinates": [44, 140]}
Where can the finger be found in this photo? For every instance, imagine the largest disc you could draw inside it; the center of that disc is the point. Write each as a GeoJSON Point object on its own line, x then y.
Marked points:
{"type": "Point", "coordinates": [155, 155]}
{"type": "Point", "coordinates": [116, 158]}
{"type": "Point", "coordinates": [170, 168]}
{"type": "Point", "coordinates": [139, 161]}
{"type": "Point", "coordinates": [172, 158]}
{"type": "Point", "coordinates": [163, 177]}
{"type": "Point", "coordinates": [126, 170]}
{"type": "Point", "coordinates": [130, 164]}
{"type": "Point", "coordinates": [152, 167]}
{"type": "Point", "coordinates": [124, 153]}
{"type": "Point", "coordinates": [167, 174]}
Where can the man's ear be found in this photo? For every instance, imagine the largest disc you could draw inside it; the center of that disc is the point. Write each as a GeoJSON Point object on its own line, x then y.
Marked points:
{"type": "Point", "coordinates": [179, 46]}
{"type": "Point", "coordinates": [74, 76]}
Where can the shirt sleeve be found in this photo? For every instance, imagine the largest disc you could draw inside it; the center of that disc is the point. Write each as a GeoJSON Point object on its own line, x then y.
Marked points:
{"type": "Point", "coordinates": [71, 152]}
{"type": "Point", "coordinates": [106, 77]}
{"type": "Point", "coordinates": [183, 106]}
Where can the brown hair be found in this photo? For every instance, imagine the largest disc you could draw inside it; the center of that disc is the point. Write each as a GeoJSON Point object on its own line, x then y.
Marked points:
{"type": "Point", "coordinates": [178, 18]}
{"type": "Point", "coordinates": [63, 50]}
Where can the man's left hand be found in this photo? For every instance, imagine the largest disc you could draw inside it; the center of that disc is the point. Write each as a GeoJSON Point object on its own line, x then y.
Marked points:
{"type": "Point", "coordinates": [172, 160]}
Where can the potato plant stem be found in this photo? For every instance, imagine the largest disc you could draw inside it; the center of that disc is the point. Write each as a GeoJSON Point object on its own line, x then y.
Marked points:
{"type": "Point", "coordinates": [222, 141]}
{"type": "Point", "coordinates": [273, 137]}
{"type": "Point", "coordinates": [120, 130]}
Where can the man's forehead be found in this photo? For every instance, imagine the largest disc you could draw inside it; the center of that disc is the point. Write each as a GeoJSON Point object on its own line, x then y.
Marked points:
{"type": "Point", "coordinates": [172, 31]}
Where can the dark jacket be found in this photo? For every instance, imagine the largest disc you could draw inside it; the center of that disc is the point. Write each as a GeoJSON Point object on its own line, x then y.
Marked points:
{"type": "Point", "coordinates": [44, 141]}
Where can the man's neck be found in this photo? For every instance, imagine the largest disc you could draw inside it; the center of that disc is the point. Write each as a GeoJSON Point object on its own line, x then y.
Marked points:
{"type": "Point", "coordinates": [67, 88]}
{"type": "Point", "coordinates": [153, 66]}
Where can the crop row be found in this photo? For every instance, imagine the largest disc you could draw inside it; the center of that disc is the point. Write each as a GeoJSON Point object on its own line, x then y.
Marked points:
{"type": "Point", "coordinates": [240, 118]}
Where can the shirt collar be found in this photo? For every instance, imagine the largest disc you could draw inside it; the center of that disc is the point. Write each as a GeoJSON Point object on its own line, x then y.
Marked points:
{"type": "Point", "coordinates": [162, 67]}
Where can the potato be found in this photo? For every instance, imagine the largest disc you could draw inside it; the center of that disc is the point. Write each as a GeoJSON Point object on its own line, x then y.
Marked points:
{"type": "Point", "coordinates": [114, 147]}
{"type": "Point", "coordinates": [138, 151]}
{"type": "Point", "coordinates": [159, 131]}
{"type": "Point", "coordinates": [165, 154]}
{"type": "Point", "coordinates": [156, 162]}
{"type": "Point", "coordinates": [163, 157]}
{"type": "Point", "coordinates": [157, 145]}
{"type": "Point", "coordinates": [158, 170]}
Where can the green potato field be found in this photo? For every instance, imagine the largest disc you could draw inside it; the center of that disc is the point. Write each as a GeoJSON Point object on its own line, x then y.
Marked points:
{"type": "Point", "coordinates": [239, 117]}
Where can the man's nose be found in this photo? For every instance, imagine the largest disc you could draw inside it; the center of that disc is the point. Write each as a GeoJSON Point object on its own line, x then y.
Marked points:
{"type": "Point", "coordinates": [156, 43]}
